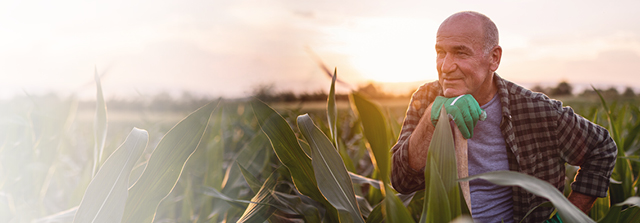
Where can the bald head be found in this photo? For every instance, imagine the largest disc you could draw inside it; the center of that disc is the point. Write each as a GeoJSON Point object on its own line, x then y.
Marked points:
{"type": "Point", "coordinates": [476, 20]}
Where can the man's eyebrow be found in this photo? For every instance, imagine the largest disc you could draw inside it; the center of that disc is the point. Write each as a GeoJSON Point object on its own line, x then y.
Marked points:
{"type": "Point", "coordinates": [461, 48]}
{"type": "Point", "coordinates": [455, 48]}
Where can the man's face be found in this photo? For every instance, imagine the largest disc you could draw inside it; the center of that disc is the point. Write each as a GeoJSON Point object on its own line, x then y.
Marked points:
{"type": "Point", "coordinates": [463, 67]}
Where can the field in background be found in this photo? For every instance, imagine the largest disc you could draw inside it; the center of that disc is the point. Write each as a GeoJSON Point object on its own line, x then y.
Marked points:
{"type": "Point", "coordinates": [47, 143]}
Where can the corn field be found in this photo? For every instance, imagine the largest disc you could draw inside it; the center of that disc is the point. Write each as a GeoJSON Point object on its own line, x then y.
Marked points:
{"type": "Point", "coordinates": [244, 161]}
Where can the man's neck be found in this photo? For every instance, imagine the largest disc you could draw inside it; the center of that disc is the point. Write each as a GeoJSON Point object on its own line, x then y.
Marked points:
{"type": "Point", "coordinates": [485, 94]}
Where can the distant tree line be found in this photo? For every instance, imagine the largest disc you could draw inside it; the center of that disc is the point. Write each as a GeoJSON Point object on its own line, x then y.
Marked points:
{"type": "Point", "coordinates": [268, 94]}
{"type": "Point", "coordinates": [189, 102]}
{"type": "Point", "coordinates": [565, 89]}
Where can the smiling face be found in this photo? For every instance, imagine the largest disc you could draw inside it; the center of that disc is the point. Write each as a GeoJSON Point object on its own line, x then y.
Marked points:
{"type": "Point", "coordinates": [463, 66]}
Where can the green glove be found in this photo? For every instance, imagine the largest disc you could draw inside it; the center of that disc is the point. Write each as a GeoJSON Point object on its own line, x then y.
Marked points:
{"type": "Point", "coordinates": [464, 110]}
{"type": "Point", "coordinates": [554, 219]}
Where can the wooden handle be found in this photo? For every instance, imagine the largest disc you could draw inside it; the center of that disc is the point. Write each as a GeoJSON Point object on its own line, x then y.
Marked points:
{"type": "Point", "coordinates": [462, 161]}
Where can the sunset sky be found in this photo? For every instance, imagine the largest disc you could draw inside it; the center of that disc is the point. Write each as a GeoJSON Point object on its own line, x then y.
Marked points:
{"type": "Point", "coordinates": [229, 47]}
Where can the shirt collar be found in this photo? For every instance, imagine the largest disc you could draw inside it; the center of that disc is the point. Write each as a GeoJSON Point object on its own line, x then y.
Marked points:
{"type": "Point", "coordinates": [503, 93]}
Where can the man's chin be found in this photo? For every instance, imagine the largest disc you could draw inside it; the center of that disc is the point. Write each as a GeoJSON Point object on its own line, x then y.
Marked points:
{"type": "Point", "coordinates": [450, 93]}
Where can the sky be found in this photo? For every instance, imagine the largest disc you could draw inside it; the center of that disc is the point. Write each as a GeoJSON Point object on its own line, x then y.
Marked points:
{"type": "Point", "coordinates": [228, 48]}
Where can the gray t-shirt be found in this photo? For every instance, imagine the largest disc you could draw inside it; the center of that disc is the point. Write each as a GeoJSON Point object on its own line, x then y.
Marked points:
{"type": "Point", "coordinates": [488, 152]}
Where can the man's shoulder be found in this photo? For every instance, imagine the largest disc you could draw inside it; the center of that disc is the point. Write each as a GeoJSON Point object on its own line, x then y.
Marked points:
{"type": "Point", "coordinates": [427, 91]}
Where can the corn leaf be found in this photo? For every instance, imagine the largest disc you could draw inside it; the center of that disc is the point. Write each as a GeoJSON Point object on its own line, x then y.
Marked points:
{"type": "Point", "coordinates": [249, 157]}
{"type": "Point", "coordinates": [359, 179]}
{"type": "Point", "coordinates": [630, 214]}
{"type": "Point", "coordinates": [213, 152]}
{"type": "Point", "coordinates": [613, 216]}
{"type": "Point", "coordinates": [332, 110]}
{"type": "Point", "coordinates": [100, 125]}
{"type": "Point", "coordinates": [379, 136]}
{"type": "Point", "coordinates": [165, 165]}
{"type": "Point", "coordinates": [437, 206]}
{"type": "Point", "coordinates": [567, 211]}
{"type": "Point", "coordinates": [414, 203]}
{"type": "Point", "coordinates": [376, 131]}
{"type": "Point", "coordinates": [330, 173]}
{"type": "Point", "coordinates": [215, 193]}
{"type": "Point", "coordinates": [253, 182]}
{"type": "Point", "coordinates": [258, 211]}
{"type": "Point", "coordinates": [622, 169]}
{"type": "Point", "coordinates": [394, 210]}
{"type": "Point", "coordinates": [634, 201]}
{"type": "Point", "coordinates": [285, 145]}
{"type": "Point", "coordinates": [442, 197]}
{"type": "Point", "coordinates": [107, 193]}
{"type": "Point", "coordinates": [63, 216]}
{"type": "Point", "coordinates": [631, 136]}
{"type": "Point", "coordinates": [365, 207]}
{"type": "Point", "coordinates": [376, 214]}
{"type": "Point", "coordinates": [600, 208]}
{"type": "Point", "coordinates": [346, 158]}
{"type": "Point", "coordinates": [296, 203]}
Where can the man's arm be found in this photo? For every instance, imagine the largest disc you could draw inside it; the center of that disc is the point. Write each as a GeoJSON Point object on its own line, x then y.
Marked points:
{"type": "Point", "coordinates": [406, 174]}
{"type": "Point", "coordinates": [585, 144]}
{"type": "Point", "coordinates": [419, 141]}
{"type": "Point", "coordinates": [582, 201]}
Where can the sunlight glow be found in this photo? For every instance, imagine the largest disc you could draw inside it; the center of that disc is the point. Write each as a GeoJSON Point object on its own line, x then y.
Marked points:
{"type": "Point", "coordinates": [387, 49]}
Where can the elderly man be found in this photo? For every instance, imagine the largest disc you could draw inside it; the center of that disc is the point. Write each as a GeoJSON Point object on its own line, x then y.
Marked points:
{"type": "Point", "coordinates": [523, 131]}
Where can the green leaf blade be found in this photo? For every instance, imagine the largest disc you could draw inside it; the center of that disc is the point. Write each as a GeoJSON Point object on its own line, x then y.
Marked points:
{"type": "Point", "coordinates": [107, 193]}
{"type": "Point", "coordinates": [100, 125]}
{"type": "Point", "coordinates": [441, 173]}
{"type": "Point", "coordinates": [568, 212]}
{"type": "Point", "coordinates": [333, 180]}
{"type": "Point", "coordinates": [286, 147]}
{"type": "Point", "coordinates": [376, 131]}
{"type": "Point", "coordinates": [258, 211]}
{"type": "Point", "coordinates": [438, 205]}
{"type": "Point", "coordinates": [394, 210]}
{"type": "Point", "coordinates": [165, 165]}
{"type": "Point", "coordinates": [332, 110]}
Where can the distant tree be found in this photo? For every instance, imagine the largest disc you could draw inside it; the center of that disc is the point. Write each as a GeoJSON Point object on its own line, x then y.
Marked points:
{"type": "Point", "coordinates": [315, 96]}
{"type": "Point", "coordinates": [588, 92]}
{"type": "Point", "coordinates": [538, 88]}
{"type": "Point", "coordinates": [611, 92]}
{"type": "Point", "coordinates": [372, 90]}
{"type": "Point", "coordinates": [628, 92]}
{"type": "Point", "coordinates": [563, 89]}
{"type": "Point", "coordinates": [287, 96]}
{"type": "Point", "coordinates": [264, 92]}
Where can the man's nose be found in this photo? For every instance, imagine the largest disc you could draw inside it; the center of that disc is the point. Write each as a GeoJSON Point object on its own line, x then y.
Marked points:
{"type": "Point", "coordinates": [448, 64]}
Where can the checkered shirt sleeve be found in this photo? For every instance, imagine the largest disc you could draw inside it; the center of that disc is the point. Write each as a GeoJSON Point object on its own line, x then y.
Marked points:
{"type": "Point", "coordinates": [404, 178]}
{"type": "Point", "coordinates": [585, 144]}
{"type": "Point", "coordinates": [543, 135]}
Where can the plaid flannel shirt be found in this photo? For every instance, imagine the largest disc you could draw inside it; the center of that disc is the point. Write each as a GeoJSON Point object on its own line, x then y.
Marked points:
{"type": "Point", "coordinates": [541, 136]}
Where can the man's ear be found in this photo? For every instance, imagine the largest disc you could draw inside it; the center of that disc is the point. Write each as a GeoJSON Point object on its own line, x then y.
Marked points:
{"type": "Point", "coordinates": [495, 56]}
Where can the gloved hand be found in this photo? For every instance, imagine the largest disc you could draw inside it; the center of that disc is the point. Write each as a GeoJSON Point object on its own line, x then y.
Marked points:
{"type": "Point", "coordinates": [464, 110]}
{"type": "Point", "coordinates": [555, 219]}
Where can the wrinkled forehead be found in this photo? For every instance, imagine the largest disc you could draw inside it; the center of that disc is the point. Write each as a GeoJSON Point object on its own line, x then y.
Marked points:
{"type": "Point", "coordinates": [464, 29]}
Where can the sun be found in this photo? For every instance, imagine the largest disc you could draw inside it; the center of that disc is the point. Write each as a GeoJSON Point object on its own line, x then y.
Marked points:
{"type": "Point", "coordinates": [391, 49]}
